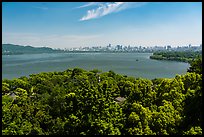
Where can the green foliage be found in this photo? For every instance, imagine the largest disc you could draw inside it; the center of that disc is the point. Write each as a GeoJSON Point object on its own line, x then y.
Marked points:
{"type": "Point", "coordinates": [194, 131]}
{"type": "Point", "coordinates": [79, 102]}
{"type": "Point", "coordinates": [196, 65]}
{"type": "Point", "coordinates": [184, 56]}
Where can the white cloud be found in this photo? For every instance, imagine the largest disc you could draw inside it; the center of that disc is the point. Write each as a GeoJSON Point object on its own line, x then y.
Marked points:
{"type": "Point", "coordinates": [89, 4]}
{"type": "Point", "coordinates": [108, 8]}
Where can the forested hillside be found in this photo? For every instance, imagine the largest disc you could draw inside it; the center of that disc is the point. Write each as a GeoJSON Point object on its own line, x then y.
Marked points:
{"type": "Point", "coordinates": [77, 101]}
{"type": "Point", "coordinates": [10, 49]}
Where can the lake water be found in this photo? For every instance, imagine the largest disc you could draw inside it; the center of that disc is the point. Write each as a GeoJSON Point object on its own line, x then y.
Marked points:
{"type": "Point", "coordinates": [14, 66]}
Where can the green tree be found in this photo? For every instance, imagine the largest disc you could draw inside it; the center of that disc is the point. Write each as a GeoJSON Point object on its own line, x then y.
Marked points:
{"type": "Point", "coordinates": [196, 65]}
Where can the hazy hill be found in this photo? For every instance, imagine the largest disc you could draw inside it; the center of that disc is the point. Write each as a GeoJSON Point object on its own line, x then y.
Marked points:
{"type": "Point", "coordinates": [9, 49]}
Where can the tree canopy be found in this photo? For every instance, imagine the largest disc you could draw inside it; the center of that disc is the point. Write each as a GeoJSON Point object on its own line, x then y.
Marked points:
{"type": "Point", "coordinates": [80, 102]}
{"type": "Point", "coordinates": [183, 56]}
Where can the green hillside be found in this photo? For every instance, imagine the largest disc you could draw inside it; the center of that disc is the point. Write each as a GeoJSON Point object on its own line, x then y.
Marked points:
{"type": "Point", "coordinates": [9, 49]}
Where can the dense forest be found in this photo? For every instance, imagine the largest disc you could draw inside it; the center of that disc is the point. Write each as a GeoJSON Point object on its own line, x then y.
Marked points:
{"type": "Point", "coordinates": [183, 56]}
{"type": "Point", "coordinates": [77, 101]}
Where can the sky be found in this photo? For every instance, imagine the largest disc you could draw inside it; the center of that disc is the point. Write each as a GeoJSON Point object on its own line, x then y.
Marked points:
{"type": "Point", "coordinates": [88, 24]}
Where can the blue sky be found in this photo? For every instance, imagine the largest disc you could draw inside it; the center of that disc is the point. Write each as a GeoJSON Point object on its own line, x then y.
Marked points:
{"type": "Point", "coordinates": [80, 24]}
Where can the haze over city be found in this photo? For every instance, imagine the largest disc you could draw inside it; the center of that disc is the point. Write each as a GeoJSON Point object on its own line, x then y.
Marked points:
{"type": "Point", "coordinates": [80, 24]}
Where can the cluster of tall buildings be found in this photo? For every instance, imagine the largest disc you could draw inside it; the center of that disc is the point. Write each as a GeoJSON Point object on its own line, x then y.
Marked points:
{"type": "Point", "coordinates": [121, 48]}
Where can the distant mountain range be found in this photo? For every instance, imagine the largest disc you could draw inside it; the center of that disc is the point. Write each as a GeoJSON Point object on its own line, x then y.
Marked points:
{"type": "Point", "coordinates": [11, 49]}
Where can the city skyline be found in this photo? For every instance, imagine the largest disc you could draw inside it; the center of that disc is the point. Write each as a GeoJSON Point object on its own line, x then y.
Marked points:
{"type": "Point", "coordinates": [81, 24]}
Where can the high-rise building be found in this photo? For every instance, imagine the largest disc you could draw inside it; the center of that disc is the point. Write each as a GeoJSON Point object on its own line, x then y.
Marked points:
{"type": "Point", "coordinates": [168, 47]}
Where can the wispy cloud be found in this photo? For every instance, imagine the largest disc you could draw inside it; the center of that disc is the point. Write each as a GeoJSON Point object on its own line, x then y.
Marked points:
{"type": "Point", "coordinates": [88, 5]}
{"type": "Point", "coordinates": [108, 8]}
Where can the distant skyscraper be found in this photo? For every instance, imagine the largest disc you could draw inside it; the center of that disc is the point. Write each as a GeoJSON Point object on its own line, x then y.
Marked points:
{"type": "Point", "coordinates": [119, 47]}
{"type": "Point", "coordinates": [168, 47]}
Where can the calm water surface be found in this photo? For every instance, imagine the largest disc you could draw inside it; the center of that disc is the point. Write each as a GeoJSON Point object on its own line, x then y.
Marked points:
{"type": "Point", "coordinates": [14, 66]}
